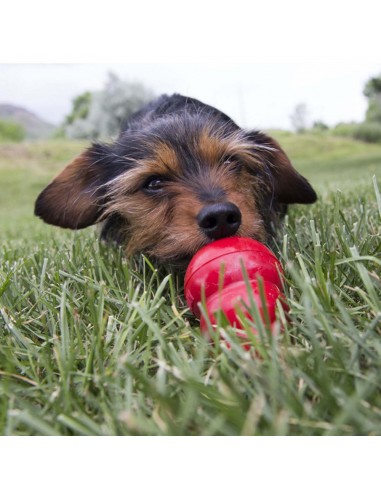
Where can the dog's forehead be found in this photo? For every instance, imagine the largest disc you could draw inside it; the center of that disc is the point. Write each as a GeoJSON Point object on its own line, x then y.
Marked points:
{"type": "Point", "coordinates": [184, 142]}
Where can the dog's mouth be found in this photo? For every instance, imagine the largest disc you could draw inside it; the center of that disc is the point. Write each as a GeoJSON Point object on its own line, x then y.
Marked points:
{"type": "Point", "coordinates": [182, 259]}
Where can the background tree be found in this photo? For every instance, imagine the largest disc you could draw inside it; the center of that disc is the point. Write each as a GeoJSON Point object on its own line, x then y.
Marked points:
{"type": "Point", "coordinates": [320, 125]}
{"type": "Point", "coordinates": [372, 92]}
{"type": "Point", "coordinates": [299, 118]}
{"type": "Point", "coordinates": [101, 114]}
{"type": "Point", "coordinates": [81, 108]}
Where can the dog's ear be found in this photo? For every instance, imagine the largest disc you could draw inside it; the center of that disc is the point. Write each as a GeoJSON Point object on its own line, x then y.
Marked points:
{"type": "Point", "coordinates": [289, 186]}
{"type": "Point", "coordinates": [76, 197]}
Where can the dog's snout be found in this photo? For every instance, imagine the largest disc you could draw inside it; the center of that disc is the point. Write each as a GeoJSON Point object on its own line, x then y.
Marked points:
{"type": "Point", "coordinates": [219, 220]}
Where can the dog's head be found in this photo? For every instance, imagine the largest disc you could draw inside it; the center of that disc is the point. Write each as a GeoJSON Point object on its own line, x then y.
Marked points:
{"type": "Point", "coordinates": [175, 183]}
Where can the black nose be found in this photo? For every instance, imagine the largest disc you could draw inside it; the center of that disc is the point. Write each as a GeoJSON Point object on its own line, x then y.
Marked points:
{"type": "Point", "coordinates": [219, 220]}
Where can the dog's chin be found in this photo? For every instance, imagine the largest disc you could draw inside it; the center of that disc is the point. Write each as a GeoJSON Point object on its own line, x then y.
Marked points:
{"type": "Point", "coordinates": [178, 261]}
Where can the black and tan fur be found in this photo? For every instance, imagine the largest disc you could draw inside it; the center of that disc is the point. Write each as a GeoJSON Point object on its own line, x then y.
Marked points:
{"type": "Point", "coordinates": [172, 160]}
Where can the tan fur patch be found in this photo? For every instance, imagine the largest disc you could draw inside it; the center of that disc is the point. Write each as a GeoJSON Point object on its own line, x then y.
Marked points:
{"type": "Point", "coordinates": [166, 158]}
{"type": "Point", "coordinates": [214, 148]}
{"type": "Point", "coordinates": [210, 148]}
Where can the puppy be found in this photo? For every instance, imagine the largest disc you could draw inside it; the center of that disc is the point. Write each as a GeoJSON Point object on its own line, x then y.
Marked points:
{"type": "Point", "coordinates": [180, 175]}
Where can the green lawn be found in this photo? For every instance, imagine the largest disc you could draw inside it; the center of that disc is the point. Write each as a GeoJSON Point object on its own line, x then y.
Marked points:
{"type": "Point", "coordinates": [92, 343]}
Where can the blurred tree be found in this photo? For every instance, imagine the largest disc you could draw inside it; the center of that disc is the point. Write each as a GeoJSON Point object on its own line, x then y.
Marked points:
{"type": "Point", "coordinates": [372, 91]}
{"type": "Point", "coordinates": [81, 107]}
{"type": "Point", "coordinates": [101, 114]}
{"type": "Point", "coordinates": [299, 118]}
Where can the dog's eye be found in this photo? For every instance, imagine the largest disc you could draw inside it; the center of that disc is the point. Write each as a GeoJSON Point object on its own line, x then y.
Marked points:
{"type": "Point", "coordinates": [154, 184]}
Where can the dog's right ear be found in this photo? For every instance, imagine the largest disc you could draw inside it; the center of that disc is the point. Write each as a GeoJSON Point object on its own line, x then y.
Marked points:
{"type": "Point", "coordinates": [76, 197]}
{"type": "Point", "coordinates": [288, 185]}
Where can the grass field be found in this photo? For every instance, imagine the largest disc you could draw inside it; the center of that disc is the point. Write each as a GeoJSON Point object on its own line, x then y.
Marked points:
{"type": "Point", "coordinates": [94, 344]}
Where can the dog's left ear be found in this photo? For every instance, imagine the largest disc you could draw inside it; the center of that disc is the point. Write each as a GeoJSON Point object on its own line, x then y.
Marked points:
{"type": "Point", "coordinates": [76, 197]}
{"type": "Point", "coordinates": [289, 185]}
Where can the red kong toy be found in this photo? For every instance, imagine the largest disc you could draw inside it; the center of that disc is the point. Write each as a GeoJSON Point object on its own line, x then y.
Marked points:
{"type": "Point", "coordinates": [216, 270]}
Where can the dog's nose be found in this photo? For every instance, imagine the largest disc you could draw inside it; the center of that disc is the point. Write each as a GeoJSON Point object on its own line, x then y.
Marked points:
{"type": "Point", "coordinates": [219, 220]}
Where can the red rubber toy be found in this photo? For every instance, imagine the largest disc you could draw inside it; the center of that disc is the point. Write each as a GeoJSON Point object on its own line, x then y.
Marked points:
{"type": "Point", "coordinates": [216, 271]}
{"type": "Point", "coordinates": [234, 299]}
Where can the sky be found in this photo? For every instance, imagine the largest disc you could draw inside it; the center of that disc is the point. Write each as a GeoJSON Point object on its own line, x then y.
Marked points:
{"type": "Point", "coordinates": [256, 95]}
{"type": "Point", "coordinates": [253, 59]}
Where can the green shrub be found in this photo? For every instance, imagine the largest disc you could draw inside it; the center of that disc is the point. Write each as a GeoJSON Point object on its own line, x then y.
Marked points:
{"type": "Point", "coordinates": [11, 132]}
{"type": "Point", "coordinates": [367, 132]}
{"type": "Point", "coordinates": [346, 130]}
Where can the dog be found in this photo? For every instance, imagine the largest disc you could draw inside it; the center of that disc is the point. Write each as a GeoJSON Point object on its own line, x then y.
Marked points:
{"type": "Point", "coordinates": [180, 175]}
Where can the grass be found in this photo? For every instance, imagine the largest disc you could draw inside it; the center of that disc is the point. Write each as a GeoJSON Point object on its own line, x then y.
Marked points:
{"type": "Point", "coordinates": [94, 344]}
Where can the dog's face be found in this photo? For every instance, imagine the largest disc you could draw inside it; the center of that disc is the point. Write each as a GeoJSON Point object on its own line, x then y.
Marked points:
{"type": "Point", "coordinates": [175, 184]}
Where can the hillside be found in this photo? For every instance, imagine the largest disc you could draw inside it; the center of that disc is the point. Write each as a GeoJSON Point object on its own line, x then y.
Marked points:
{"type": "Point", "coordinates": [34, 126]}
{"type": "Point", "coordinates": [332, 162]}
